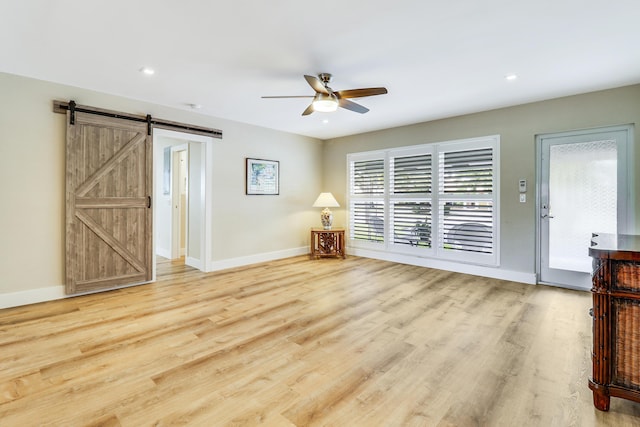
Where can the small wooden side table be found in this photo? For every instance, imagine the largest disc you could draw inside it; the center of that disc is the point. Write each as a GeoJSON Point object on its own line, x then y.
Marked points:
{"type": "Point", "coordinates": [326, 243]}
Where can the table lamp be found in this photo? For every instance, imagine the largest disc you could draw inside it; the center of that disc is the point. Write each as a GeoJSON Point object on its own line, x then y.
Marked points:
{"type": "Point", "coordinates": [326, 201]}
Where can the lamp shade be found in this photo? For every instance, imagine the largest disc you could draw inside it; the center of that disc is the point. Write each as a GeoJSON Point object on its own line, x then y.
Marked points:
{"type": "Point", "coordinates": [326, 200]}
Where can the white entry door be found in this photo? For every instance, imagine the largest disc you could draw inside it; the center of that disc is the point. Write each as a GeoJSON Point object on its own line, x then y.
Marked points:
{"type": "Point", "coordinates": [583, 187]}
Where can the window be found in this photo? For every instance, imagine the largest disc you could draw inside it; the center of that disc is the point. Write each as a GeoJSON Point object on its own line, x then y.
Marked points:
{"type": "Point", "coordinates": [435, 200]}
{"type": "Point", "coordinates": [366, 205]}
{"type": "Point", "coordinates": [410, 198]}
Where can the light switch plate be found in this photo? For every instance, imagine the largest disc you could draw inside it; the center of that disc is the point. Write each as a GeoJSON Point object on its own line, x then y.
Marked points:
{"type": "Point", "coordinates": [523, 198]}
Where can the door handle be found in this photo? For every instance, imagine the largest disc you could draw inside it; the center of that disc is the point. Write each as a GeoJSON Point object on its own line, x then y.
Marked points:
{"type": "Point", "coordinates": [546, 216]}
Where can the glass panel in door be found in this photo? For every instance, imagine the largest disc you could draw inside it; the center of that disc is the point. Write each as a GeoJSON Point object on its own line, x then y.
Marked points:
{"type": "Point", "coordinates": [582, 199]}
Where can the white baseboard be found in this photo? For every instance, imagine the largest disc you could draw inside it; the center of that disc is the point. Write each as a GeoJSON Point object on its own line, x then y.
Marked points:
{"type": "Point", "coordinates": [476, 270]}
{"type": "Point", "coordinates": [254, 259]}
{"type": "Point", "coordinates": [32, 296]}
{"type": "Point", "coordinates": [194, 262]}
{"type": "Point", "coordinates": [165, 253]}
{"type": "Point", "coordinates": [50, 293]}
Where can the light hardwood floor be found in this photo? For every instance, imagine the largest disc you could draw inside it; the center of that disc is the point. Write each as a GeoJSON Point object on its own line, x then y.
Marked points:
{"type": "Point", "coordinates": [355, 342]}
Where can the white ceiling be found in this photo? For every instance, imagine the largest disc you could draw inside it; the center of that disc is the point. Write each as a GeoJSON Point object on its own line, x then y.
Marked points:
{"type": "Point", "coordinates": [437, 58]}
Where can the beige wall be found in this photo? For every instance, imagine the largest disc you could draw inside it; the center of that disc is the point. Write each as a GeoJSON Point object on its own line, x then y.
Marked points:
{"type": "Point", "coordinates": [244, 227]}
{"type": "Point", "coordinates": [32, 159]}
{"type": "Point", "coordinates": [517, 127]}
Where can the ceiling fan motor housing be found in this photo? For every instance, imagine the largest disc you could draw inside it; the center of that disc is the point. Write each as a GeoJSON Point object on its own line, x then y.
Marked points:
{"type": "Point", "coordinates": [325, 78]}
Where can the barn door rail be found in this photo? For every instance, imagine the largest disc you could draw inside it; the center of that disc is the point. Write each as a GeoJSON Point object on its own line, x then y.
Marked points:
{"type": "Point", "coordinates": [73, 108]}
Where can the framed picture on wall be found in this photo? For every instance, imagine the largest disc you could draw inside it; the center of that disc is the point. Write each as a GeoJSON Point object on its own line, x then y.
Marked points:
{"type": "Point", "coordinates": [263, 177]}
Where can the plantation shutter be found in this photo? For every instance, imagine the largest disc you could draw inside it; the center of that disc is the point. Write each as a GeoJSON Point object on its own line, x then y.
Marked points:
{"type": "Point", "coordinates": [410, 200]}
{"type": "Point", "coordinates": [411, 174]}
{"type": "Point", "coordinates": [437, 200]}
{"type": "Point", "coordinates": [466, 202]}
{"type": "Point", "coordinates": [366, 207]}
{"type": "Point", "coordinates": [412, 223]}
{"type": "Point", "coordinates": [467, 172]}
{"type": "Point", "coordinates": [367, 177]}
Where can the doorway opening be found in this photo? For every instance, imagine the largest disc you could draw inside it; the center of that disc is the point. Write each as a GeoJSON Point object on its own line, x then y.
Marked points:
{"type": "Point", "coordinates": [182, 197]}
{"type": "Point", "coordinates": [585, 181]}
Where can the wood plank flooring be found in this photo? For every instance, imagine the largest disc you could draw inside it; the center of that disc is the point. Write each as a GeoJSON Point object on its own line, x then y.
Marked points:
{"type": "Point", "coordinates": [299, 342]}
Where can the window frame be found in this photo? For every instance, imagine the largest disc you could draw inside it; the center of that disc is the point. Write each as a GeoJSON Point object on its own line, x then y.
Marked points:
{"type": "Point", "coordinates": [435, 197]}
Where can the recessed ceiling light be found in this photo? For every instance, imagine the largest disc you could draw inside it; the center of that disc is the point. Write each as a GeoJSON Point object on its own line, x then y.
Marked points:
{"type": "Point", "coordinates": [148, 71]}
{"type": "Point", "coordinates": [511, 77]}
{"type": "Point", "coordinates": [325, 121]}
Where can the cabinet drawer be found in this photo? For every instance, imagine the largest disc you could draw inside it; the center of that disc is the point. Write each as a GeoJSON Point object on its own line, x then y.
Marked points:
{"type": "Point", "coordinates": [626, 369]}
{"type": "Point", "coordinates": [627, 276]}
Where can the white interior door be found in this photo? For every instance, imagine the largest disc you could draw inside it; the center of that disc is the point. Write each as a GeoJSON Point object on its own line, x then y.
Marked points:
{"type": "Point", "coordinates": [583, 187]}
{"type": "Point", "coordinates": [179, 200]}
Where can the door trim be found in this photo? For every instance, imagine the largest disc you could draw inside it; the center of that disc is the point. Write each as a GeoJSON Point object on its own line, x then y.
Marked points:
{"type": "Point", "coordinates": [627, 227]}
{"type": "Point", "coordinates": [208, 147]}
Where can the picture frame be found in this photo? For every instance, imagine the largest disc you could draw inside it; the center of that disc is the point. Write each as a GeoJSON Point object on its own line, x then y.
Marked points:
{"type": "Point", "coordinates": [262, 177]}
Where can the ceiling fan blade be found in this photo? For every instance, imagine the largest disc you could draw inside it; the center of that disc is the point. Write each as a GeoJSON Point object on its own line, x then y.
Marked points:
{"type": "Point", "coordinates": [284, 96]}
{"type": "Point", "coordinates": [359, 93]}
{"type": "Point", "coordinates": [316, 84]}
{"type": "Point", "coordinates": [308, 111]}
{"type": "Point", "coordinates": [350, 105]}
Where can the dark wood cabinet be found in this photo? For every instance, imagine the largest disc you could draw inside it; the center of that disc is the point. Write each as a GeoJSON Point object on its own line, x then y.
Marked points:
{"type": "Point", "coordinates": [616, 318]}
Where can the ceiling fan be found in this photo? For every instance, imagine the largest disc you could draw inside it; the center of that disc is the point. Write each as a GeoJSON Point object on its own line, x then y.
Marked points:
{"type": "Point", "coordinates": [327, 100]}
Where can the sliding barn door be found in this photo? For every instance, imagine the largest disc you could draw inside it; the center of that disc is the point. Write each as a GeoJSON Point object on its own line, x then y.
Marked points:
{"type": "Point", "coordinates": [109, 216]}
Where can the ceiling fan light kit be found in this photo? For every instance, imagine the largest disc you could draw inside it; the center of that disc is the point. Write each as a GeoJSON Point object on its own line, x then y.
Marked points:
{"type": "Point", "coordinates": [325, 103]}
{"type": "Point", "coordinates": [326, 100]}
